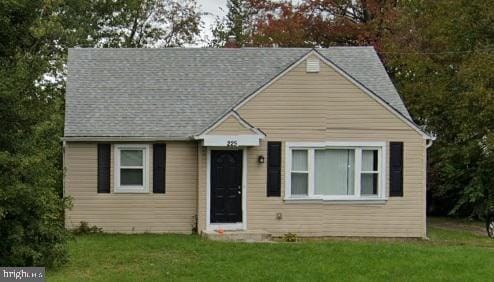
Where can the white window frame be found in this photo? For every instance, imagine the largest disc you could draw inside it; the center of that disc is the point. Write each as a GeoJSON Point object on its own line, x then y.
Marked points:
{"type": "Point", "coordinates": [307, 172]}
{"type": "Point", "coordinates": [145, 169]}
{"type": "Point", "coordinates": [358, 147]}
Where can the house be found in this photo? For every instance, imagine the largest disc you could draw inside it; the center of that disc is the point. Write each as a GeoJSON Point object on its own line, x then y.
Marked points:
{"type": "Point", "coordinates": [315, 142]}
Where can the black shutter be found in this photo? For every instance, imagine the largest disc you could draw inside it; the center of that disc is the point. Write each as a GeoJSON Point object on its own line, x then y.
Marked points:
{"type": "Point", "coordinates": [396, 169]}
{"type": "Point", "coordinates": [104, 158]}
{"type": "Point", "coordinates": [274, 169]}
{"type": "Point", "coordinates": [159, 159]}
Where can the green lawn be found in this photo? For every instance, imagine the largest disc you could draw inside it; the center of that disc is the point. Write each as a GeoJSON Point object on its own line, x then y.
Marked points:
{"type": "Point", "coordinates": [456, 251]}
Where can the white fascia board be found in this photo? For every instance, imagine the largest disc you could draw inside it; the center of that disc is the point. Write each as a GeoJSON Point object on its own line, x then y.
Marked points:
{"type": "Point", "coordinates": [373, 95]}
{"type": "Point", "coordinates": [254, 130]}
{"type": "Point", "coordinates": [348, 77]}
{"type": "Point", "coordinates": [230, 140]}
{"type": "Point", "coordinates": [122, 139]}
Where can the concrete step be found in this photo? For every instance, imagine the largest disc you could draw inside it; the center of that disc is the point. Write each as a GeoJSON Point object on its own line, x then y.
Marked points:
{"type": "Point", "coordinates": [238, 235]}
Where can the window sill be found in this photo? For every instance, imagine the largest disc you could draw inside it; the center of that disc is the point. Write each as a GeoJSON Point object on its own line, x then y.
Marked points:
{"type": "Point", "coordinates": [130, 191]}
{"type": "Point", "coordinates": [336, 201]}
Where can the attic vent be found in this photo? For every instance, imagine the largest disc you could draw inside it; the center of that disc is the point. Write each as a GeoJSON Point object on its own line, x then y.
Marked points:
{"type": "Point", "coordinates": [312, 65]}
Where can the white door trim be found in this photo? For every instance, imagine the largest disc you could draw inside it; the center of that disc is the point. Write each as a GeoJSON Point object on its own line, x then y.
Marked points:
{"type": "Point", "coordinates": [226, 226]}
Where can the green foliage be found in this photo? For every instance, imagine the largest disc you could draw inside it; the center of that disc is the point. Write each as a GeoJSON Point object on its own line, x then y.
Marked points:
{"type": "Point", "coordinates": [31, 209]}
{"type": "Point", "coordinates": [442, 59]}
{"type": "Point", "coordinates": [440, 55]}
{"type": "Point", "coordinates": [305, 23]}
{"type": "Point", "coordinates": [84, 228]}
{"type": "Point", "coordinates": [290, 237]}
{"type": "Point", "coordinates": [31, 214]}
{"type": "Point", "coordinates": [138, 23]}
{"type": "Point", "coordinates": [34, 39]}
{"type": "Point", "coordinates": [452, 254]}
{"type": "Point", "coordinates": [237, 23]}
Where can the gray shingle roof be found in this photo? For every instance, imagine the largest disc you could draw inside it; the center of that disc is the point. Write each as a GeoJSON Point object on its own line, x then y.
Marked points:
{"type": "Point", "coordinates": [177, 92]}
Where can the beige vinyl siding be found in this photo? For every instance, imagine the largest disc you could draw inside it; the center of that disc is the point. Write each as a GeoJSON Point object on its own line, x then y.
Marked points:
{"type": "Point", "coordinates": [325, 106]}
{"type": "Point", "coordinates": [144, 212]}
{"type": "Point", "coordinates": [299, 106]}
{"type": "Point", "coordinates": [398, 217]}
{"type": "Point", "coordinates": [230, 126]}
{"type": "Point", "coordinates": [304, 106]}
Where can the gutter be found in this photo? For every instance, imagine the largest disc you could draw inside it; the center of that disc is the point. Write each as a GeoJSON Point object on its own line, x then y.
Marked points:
{"type": "Point", "coordinates": [429, 142]}
{"type": "Point", "coordinates": [122, 139]}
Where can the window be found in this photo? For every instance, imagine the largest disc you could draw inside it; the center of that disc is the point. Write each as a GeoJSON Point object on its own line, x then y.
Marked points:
{"type": "Point", "coordinates": [300, 172]}
{"type": "Point", "coordinates": [131, 168]}
{"type": "Point", "coordinates": [369, 174]}
{"type": "Point", "coordinates": [335, 170]}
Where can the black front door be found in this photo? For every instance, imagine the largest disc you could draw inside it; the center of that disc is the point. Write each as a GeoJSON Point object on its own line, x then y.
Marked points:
{"type": "Point", "coordinates": [226, 186]}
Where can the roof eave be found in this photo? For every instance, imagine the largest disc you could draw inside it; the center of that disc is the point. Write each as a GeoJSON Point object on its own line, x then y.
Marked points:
{"type": "Point", "coordinates": [241, 120]}
{"type": "Point", "coordinates": [408, 121]}
{"type": "Point", "coordinates": [124, 138]}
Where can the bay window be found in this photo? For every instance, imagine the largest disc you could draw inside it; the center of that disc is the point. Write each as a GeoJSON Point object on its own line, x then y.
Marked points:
{"type": "Point", "coordinates": [335, 170]}
{"type": "Point", "coordinates": [131, 168]}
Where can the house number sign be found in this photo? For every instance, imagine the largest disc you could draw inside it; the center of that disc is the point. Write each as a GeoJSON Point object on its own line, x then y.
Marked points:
{"type": "Point", "coordinates": [232, 143]}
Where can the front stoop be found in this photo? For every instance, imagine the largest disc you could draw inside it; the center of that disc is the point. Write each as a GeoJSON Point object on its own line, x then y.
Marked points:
{"type": "Point", "coordinates": [250, 236]}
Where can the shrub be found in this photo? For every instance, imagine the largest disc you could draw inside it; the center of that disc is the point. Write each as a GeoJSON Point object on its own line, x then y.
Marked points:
{"type": "Point", "coordinates": [32, 231]}
{"type": "Point", "coordinates": [290, 237]}
{"type": "Point", "coordinates": [84, 228]}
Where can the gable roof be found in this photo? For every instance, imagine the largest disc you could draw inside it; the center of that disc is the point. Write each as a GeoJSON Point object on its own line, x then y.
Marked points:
{"type": "Point", "coordinates": [367, 69]}
{"type": "Point", "coordinates": [175, 93]}
{"type": "Point", "coordinates": [239, 120]}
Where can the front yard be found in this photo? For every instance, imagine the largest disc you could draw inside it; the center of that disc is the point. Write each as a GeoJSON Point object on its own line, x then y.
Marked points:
{"type": "Point", "coordinates": [456, 251]}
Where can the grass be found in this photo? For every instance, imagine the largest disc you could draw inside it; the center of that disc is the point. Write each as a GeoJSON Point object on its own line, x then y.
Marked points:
{"type": "Point", "coordinates": [455, 251]}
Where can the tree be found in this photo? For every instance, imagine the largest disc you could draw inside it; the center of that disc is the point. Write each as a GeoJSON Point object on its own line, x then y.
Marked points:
{"type": "Point", "coordinates": [31, 209]}
{"type": "Point", "coordinates": [237, 23]}
{"type": "Point", "coordinates": [312, 23]}
{"type": "Point", "coordinates": [362, 22]}
{"type": "Point", "coordinates": [144, 23]}
{"type": "Point", "coordinates": [440, 54]}
{"type": "Point", "coordinates": [34, 39]}
{"type": "Point", "coordinates": [282, 24]}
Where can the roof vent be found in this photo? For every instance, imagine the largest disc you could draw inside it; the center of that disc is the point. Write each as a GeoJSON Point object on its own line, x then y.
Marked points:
{"type": "Point", "coordinates": [313, 65]}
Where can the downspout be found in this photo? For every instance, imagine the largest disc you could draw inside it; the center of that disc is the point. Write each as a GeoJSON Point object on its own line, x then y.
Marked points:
{"type": "Point", "coordinates": [64, 144]}
{"type": "Point", "coordinates": [195, 220]}
{"type": "Point", "coordinates": [428, 144]}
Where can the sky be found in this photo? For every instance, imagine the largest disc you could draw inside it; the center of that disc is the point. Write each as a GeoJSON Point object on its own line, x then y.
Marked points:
{"type": "Point", "coordinates": [212, 8]}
